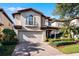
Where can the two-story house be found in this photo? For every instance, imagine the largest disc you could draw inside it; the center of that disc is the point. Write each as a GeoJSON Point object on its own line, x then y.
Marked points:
{"type": "Point", "coordinates": [57, 24]}
{"type": "Point", "coordinates": [30, 24]}
{"type": "Point", "coordinates": [5, 21]}
{"type": "Point", "coordinates": [60, 23]}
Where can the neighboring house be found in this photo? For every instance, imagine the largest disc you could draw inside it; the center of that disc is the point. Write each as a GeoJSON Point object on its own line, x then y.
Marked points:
{"type": "Point", "coordinates": [60, 23]}
{"type": "Point", "coordinates": [30, 24]}
{"type": "Point", "coordinates": [5, 21]}
{"type": "Point", "coordinates": [57, 23]}
{"type": "Point", "coordinates": [75, 22]}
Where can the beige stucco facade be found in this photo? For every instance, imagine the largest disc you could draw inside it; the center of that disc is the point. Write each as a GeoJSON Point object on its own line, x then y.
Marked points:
{"type": "Point", "coordinates": [21, 20]}
{"type": "Point", "coordinates": [57, 24]}
{"type": "Point", "coordinates": [30, 32]}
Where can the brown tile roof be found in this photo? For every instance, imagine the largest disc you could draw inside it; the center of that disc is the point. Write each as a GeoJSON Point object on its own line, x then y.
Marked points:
{"type": "Point", "coordinates": [23, 10]}
{"type": "Point", "coordinates": [15, 14]}
{"type": "Point", "coordinates": [49, 28]}
{"type": "Point", "coordinates": [6, 15]}
{"type": "Point", "coordinates": [59, 20]}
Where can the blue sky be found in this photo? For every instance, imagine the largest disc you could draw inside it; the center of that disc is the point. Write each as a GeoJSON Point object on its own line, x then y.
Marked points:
{"type": "Point", "coordinates": [46, 8]}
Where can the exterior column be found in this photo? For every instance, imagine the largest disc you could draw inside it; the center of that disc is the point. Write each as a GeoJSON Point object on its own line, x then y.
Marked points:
{"type": "Point", "coordinates": [44, 35]}
{"type": "Point", "coordinates": [55, 34]}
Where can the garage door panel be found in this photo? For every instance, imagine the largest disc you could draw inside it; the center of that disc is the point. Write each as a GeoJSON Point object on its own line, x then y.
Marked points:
{"type": "Point", "coordinates": [31, 36]}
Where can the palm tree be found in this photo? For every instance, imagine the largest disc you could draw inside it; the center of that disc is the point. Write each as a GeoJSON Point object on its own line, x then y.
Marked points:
{"type": "Point", "coordinates": [66, 29]}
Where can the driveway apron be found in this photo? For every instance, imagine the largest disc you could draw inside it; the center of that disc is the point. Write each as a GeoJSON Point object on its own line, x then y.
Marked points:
{"type": "Point", "coordinates": [35, 49]}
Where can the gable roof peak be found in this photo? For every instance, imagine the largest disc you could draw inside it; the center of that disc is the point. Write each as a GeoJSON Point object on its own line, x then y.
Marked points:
{"type": "Point", "coordinates": [28, 9]}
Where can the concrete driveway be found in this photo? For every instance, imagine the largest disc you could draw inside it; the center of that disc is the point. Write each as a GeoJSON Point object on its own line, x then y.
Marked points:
{"type": "Point", "coordinates": [35, 49]}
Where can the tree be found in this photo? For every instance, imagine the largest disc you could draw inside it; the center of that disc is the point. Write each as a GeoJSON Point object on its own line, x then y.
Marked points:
{"type": "Point", "coordinates": [67, 9]}
{"type": "Point", "coordinates": [66, 29]}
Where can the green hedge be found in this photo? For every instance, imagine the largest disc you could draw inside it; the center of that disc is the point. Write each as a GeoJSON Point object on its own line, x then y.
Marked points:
{"type": "Point", "coordinates": [6, 50]}
{"type": "Point", "coordinates": [62, 43]}
{"type": "Point", "coordinates": [9, 42]}
{"type": "Point", "coordinates": [65, 39]}
{"type": "Point", "coordinates": [9, 37]}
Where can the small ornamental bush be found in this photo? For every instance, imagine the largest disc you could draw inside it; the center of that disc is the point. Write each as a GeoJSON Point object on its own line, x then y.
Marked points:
{"type": "Point", "coordinates": [10, 42]}
{"type": "Point", "coordinates": [9, 37]}
{"type": "Point", "coordinates": [66, 39]}
{"type": "Point", "coordinates": [62, 43]}
{"type": "Point", "coordinates": [9, 34]}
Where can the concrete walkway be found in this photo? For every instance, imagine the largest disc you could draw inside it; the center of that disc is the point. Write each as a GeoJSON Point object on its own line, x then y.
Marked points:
{"type": "Point", "coordinates": [73, 54]}
{"type": "Point", "coordinates": [35, 49]}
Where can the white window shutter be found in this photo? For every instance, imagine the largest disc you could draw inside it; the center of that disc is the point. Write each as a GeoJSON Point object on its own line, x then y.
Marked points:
{"type": "Point", "coordinates": [36, 20]}
{"type": "Point", "coordinates": [0, 20]}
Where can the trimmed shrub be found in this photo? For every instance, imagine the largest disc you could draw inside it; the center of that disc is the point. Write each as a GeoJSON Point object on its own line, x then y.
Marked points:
{"type": "Point", "coordinates": [8, 34]}
{"type": "Point", "coordinates": [62, 43]}
{"type": "Point", "coordinates": [10, 42]}
{"type": "Point", "coordinates": [9, 37]}
{"type": "Point", "coordinates": [6, 50]}
{"type": "Point", "coordinates": [66, 39]}
{"type": "Point", "coordinates": [55, 40]}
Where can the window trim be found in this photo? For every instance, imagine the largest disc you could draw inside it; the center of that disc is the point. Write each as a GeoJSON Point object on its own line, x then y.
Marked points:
{"type": "Point", "coordinates": [27, 22]}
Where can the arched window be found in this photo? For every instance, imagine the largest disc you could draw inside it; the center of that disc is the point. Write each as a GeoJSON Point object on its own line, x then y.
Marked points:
{"type": "Point", "coordinates": [29, 20]}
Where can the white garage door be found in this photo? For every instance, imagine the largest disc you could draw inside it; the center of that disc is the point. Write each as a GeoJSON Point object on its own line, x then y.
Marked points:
{"type": "Point", "coordinates": [31, 36]}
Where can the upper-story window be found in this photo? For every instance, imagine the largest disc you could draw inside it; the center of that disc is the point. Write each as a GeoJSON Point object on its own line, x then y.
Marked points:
{"type": "Point", "coordinates": [49, 23]}
{"type": "Point", "coordinates": [46, 23]}
{"type": "Point", "coordinates": [29, 20]}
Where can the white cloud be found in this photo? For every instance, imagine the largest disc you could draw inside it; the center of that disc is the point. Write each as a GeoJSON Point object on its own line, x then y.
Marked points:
{"type": "Point", "coordinates": [11, 9]}
{"type": "Point", "coordinates": [14, 9]}
{"type": "Point", "coordinates": [19, 8]}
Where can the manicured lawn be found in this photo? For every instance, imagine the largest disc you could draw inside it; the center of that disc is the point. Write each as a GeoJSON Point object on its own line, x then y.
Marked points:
{"type": "Point", "coordinates": [69, 48]}
{"type": "Point", "coordinates": [6, 50]}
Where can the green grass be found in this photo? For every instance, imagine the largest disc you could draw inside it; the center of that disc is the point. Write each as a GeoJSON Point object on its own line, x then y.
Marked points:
{"type": "Point", "coordinates": [69, 49]}
{"type": "Point", "coordinates": [6, 50]}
